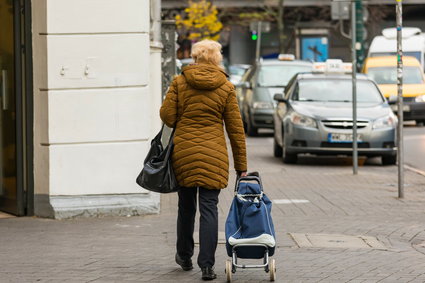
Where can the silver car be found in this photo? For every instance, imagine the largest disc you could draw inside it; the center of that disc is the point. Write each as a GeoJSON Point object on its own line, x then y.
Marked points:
{"type": "Point", "coordinates": [314, 116]}
{"type": "Point", "coordinates": [236, 72]}
{"type": "Point", "coordinates": [256, 89]}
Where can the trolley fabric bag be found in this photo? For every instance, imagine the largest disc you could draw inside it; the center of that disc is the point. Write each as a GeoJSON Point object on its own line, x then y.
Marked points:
{"type": "Point", "coordinates": [249, 221]}
{"type": "Point", "coordinates": [157, 174]}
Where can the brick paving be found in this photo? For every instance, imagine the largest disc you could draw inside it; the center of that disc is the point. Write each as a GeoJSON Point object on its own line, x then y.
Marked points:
{"type": "Point", "coordinates": [141, 249]}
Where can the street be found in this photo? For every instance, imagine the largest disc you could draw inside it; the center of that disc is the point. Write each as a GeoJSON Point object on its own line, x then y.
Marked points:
{"type": "Point", "coordinates": [414, 147]}
{"type": "Point", "coordinates": [331, 227]}
{"type": "Point", "coordinates": [83, 104]}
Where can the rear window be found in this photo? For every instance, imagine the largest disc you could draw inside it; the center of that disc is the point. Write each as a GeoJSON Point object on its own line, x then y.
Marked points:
{"type": "Point", "coordinates": [236, 70]}
{"type": "Point", "coordinates": [336, 90]}
{"type": "Point", "coordinates": [279, 75]}
{"type": "Point", "coordinates": [388, 75]}
{"type": "Point", "coordinates": [416, 54]}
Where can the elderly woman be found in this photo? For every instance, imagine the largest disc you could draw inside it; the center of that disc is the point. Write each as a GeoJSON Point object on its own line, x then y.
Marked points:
{"type": "Point", "coordinates": [197, 103]}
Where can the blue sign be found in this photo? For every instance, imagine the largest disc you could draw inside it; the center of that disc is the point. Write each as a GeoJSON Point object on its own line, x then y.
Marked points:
{"type": "Point", "coordinates": [314, 48]}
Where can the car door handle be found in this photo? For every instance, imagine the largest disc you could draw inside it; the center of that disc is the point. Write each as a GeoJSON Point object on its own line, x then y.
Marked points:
{"type": "Point", "coordinates": [4, 98]}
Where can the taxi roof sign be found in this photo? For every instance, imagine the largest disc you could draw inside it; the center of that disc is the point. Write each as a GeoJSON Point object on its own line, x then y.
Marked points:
{"type": "Point", "coordinates": [332, 66]}
{"type": "Point", "coordinates": [286, 57]}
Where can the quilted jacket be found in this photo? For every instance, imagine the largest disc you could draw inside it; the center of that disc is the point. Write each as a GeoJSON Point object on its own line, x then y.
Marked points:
{"type": "Point", "coordinates": [197, 103]}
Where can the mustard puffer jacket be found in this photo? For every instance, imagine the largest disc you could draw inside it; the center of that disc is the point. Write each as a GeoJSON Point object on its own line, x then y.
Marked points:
{"type": "Point", "coordinates": [197, 103]}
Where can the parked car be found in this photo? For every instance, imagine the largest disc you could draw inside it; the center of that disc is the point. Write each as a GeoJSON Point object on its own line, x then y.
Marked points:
{"type": "Point", "coordinates": [383, 70]}
{"type": "Point", "coordinates": [314, 116]}
{"type": "Point", "coordinates": [237, 71]}
{"type": "Point", "coordinates": [259, 84]}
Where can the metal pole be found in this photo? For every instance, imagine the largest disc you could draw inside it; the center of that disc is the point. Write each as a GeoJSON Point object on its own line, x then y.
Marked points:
{"type": "Point", "coordinates": [354, 82]}
{"type": "Point", "coordinates": [257, 54]}
{"type": "Point", "coordinates": [400, 101]}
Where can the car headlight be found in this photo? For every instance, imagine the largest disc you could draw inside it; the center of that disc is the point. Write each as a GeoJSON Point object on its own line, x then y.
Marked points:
{"type": "Point", "coordinates": [262, 105]}
{"type": "Point", "coordinates": [389, 121]}
{"type": "Point", "coordinates": [420, 98]}
{"type": "Point", "coordinates": [302, 120]}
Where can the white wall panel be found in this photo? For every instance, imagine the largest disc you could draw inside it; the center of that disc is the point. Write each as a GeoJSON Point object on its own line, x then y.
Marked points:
{"type": "Point", "coordinates": [109, 60]}
{"type": "Point", "coordinates": [92, 169]}
{"type": "Point", "coordinates": [93, 16]}
{"type": "Point", "coordinates": [98, 115]}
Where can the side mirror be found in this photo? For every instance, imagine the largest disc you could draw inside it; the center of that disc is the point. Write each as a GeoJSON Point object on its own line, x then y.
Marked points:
{"type": "Point", "coordinates": [279, 97]}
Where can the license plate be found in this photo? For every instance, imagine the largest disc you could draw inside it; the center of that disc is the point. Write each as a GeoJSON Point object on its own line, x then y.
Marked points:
{"type": "Point", "coordinates": [394, 107]}
{"type": "Point", "coordinates": [339, 137]}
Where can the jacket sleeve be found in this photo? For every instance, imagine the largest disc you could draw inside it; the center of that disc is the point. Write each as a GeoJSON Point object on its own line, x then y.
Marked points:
{"type": "Point", "coordinates": [235, 131]}
{"type": "Point", "coordinates": [168, 111]}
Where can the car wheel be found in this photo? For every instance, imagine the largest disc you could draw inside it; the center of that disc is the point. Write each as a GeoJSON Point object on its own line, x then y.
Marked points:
{"type": "Point", "coordinates": [251, 130]}
{"type": "Point", "coordinates": [277, 149]}
{"type": "Point", "coordinates": [389, 159]}
{"type": "Point", "coordinates": [288, 158]}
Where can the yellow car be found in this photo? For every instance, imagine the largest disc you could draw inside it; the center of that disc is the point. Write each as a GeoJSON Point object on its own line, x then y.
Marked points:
{"type": "Point", "coordinates": [383, 70]}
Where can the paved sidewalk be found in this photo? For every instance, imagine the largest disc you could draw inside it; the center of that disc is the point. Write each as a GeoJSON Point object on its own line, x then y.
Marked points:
{"type": "Point", "coordinates": [387, 243]}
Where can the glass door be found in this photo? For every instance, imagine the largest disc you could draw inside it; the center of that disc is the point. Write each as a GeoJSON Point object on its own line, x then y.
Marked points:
{"type": "Point", "coordinates": [11, 198]}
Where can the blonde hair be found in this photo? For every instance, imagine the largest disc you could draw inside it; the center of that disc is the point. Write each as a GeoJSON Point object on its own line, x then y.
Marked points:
{"type": "Point", "coordinates": [207, 51]}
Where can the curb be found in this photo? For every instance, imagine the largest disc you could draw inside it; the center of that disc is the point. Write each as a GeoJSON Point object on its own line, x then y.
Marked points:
{"type": "Point", "coordinates": [417, 171]}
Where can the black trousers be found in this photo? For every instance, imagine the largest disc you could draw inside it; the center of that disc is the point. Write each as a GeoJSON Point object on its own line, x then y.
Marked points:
{"type": "Point", "coordinates": [208, 224]}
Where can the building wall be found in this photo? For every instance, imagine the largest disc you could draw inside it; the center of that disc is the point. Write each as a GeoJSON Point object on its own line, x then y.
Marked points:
{"type": "Point", "coordinates": [93, 106]}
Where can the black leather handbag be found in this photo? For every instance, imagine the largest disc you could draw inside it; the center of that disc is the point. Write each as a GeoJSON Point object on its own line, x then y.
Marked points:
{"type": "Point", "coordinates": [157, 174]}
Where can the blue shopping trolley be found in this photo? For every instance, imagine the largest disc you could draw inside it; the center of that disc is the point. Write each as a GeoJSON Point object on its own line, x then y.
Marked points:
{"type": "Point", "coordinates": [249, 227]}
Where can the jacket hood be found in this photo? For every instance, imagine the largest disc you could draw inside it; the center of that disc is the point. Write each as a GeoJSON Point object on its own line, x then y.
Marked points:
{"type": "Point", "coordinates": [204, 76]}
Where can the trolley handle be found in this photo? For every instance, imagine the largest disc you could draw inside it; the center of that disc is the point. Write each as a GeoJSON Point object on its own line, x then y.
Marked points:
{"type": "Point", "coordinates": [250, 177]}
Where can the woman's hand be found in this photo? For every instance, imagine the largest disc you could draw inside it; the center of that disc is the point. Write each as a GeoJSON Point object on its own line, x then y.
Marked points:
{"type": "Point", "coordinates": [242, 174]}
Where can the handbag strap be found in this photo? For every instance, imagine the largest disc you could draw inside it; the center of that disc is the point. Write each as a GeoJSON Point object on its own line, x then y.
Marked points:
{"type": "Point", "coordinates": [159, 135]}
{"type": "Point", "coordinates": [170, 145]}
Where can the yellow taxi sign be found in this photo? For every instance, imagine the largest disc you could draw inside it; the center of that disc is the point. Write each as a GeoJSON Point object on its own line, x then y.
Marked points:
{"type": "Point", "coordinates": [286, 57]}
{"type": "Point", "coordinates": [335, 66]}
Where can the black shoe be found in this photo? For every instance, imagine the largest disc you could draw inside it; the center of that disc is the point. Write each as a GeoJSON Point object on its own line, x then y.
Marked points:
{"type": "Point", "coordinates": [185, 264]}
{"type": "Point", "coordinates": [208, 273]}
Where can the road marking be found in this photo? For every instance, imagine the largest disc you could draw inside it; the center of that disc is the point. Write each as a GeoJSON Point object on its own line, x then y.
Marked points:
{"type": "Point", "coordinates": [290, 201]}
{"type": "Point", "coordinates": [415, 137]}
{"type": "Point", "coordinates": [420, 172]}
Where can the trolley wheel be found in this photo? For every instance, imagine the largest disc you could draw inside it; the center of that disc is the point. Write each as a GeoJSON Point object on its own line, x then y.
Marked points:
{"type": "Point", "coordinates": [229, 270]}
{"type": "Point", "coordinates": [272, 268]}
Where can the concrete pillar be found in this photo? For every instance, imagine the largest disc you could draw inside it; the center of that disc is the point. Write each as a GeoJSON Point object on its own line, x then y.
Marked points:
{"type": "Point", "coordinates": [93, 114]}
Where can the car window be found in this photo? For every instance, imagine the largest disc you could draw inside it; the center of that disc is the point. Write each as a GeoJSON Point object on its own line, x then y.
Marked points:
{"type": "Point", "coordinates": [336, 90]}
{"type": "Point", "coordinates": [388, 75]}
{"type": "Point", "coordinates": [423, 62]}
{"type": "Point", "coordinates": [251, 74]}
{"type": "Point", "coordinates": [246, 75]}
{"type": "Point", "coordinates": [295, 94]}
{"type": "Point", "coordinates": [237, 70]}
{"type": "Point", "coordinates": [289, 88]}
{"type": "Point", "coordinates": [416, 54]}
{"type": "Point", "coordinates": [279, 75]}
